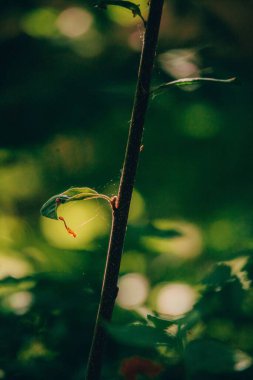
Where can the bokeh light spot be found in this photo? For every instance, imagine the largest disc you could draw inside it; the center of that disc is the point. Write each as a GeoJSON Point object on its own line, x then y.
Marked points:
{"type": "Point", "coordinates": [12, 230]}
{"type": "Point", "coordinates": [175, 299]}
{"type": "Point", "coordinates": [137, 208]}
{"type": "Point", "coordinates": [180, 63]}
{"type": "Point", "coordinates": [223, 234]}
{"type": "Point", "coordinates": [133, 290]}
{"type": "Point", "coordinates": [90, 45]}
{"type": "Point", "coordinates": [200, 121]}
{"type": "Point", "coordinates": [185, 246]}
{"type": "Point", "coordinates": [20, 180]}
{"type": "Point", "coordinates": [133, 262]}
{"type": "Point", "coordinates": [74, 22]}
{"type": "Point", "coordinates": [19, 302]}
{"type": "Point", "coordinates": [135, 40]}
{"type": "Point", "coordinates": [40, 23]}
{"type": "Point", "coordinates": [11, 266]}
{"type": "Point", "coordinates": [242, 361]}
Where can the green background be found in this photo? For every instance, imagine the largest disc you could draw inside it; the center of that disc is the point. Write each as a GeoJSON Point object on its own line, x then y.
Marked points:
{"type": "Point", "coordinates": [68, 74]}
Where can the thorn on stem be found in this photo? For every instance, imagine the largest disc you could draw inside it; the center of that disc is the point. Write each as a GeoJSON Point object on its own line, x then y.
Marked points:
{"type": "Point", "coordinates": [114, 202]}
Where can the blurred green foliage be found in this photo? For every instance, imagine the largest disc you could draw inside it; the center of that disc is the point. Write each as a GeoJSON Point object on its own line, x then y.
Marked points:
{"type": "Point", "coordinates": [68, 72]}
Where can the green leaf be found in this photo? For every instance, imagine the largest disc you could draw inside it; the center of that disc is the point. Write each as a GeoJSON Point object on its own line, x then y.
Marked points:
{"type": "Point", "coordinates": [219, 276]}
{"type": "Point", "coordinates": [149, 229]}
{"type": "Point", "coordinates": [134, 8]}
{"type": "Point", "coordinates": [214, 357]}
{"type": "Point", "coordinates": [188, 321]}
{"type": "Point", "coordinates": [191, 81]}
{"type": "Point", "coordinates": [140, 335]}
{"type": "Point", "coordinates": [167, 233]}
{"type": "Point", "coordinates": [80, 193]}
{"type": "Point", "coordinates": [162, 323]}
{"type": "Point", "coordinates": [49, 209]}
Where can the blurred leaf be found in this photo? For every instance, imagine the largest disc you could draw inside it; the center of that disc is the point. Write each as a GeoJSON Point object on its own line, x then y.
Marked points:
{"type": "Point", "coordinates": [222, 297]}
{"type": "Point", "coordinates": [219, 276]}
{"type": "Point", "coordinates": [224, 293]}
{"type": "Point", "coordinates": [14, 281]}
{"type": "Point", "coordinates": [166, 233]}
{"type": "Point", "coordinates": [49, 209]}
{"type": "Point", "coordinates": [188, 321]}
{"type": "Point", "coordinates": [225, 300]}
{"type": "Point", "coordinates": [140, 335]}
{"type": "Point", "coordinates": [40, 22]}
{"type": "Point", "coordinates": [150, 230]}
{"type": "Point", "coordinates": [214, 357]}
{"type": "Point", "coordinates": [162, 323]}
{"type": "Point", "coordinates": [35, 279]}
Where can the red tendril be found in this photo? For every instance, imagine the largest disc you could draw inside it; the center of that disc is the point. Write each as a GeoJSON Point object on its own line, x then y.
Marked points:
{"type": "Point", "coordinates": [67, 228]}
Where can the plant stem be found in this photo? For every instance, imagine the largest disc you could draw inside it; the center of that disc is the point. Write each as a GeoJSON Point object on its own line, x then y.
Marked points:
{"type": "Point", "coordinates": [121, 209]}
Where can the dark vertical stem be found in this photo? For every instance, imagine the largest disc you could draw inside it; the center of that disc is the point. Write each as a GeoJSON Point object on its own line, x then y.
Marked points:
{"type": "Point", "coordinates": [121, 209]}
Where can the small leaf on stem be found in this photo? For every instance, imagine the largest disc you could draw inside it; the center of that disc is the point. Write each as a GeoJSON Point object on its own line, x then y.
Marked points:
{"type": "Point", "coordinates": [191, 81]}
{"type": "Point", "coordinates": [134, 8]}
{"type": "Point", "coordinates": [49, 208]}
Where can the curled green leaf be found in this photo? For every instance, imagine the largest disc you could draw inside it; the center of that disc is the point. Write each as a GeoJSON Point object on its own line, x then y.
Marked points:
{"type": "Point", "coordinates": [191, 81]}
{"type": "Point", "coordinates": [134, 8]}
{"type": "Point", "coordinates": [80, 193]}
{"type": "Point", "coordinates": [49, 208]}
